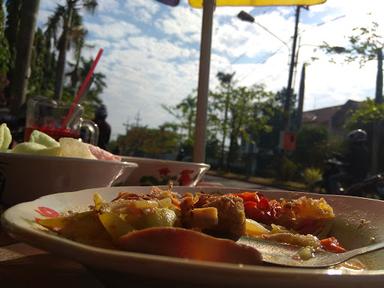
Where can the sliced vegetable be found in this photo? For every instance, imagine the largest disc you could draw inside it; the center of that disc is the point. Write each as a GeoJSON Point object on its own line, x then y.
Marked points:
{"type": "Point", "coordinates": [43, 139]}
{"type": "Point", "coordinates": [331, 244]}
{"type": "Point", "coordinates": [114, 225]}
{"type": "Point", "coordinates": [254, 228]}
{"type": "Point", "coordinates": [84, 227]}
{"type": "Point", "coordinates": [98, 200]}
{"type": "Point", "coordinates": [5, 137]}
{"type": "Point", "coordinates": [157, 217]}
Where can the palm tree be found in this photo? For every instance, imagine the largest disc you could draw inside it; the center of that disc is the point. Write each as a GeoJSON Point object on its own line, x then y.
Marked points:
{"type": "Point", "coordinates": [185, 112]}
{"type": "Point", "coordinates": [226, 84]}
{"type": "Point", "coordinates": [69, 19]}
{"type": "Point", "coordinates": [94, 89]}
{"type": "Point", "coordinates": [12, 25]}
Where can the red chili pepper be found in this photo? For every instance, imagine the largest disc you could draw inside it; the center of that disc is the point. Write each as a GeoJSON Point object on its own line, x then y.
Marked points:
{"type": "Point", "coordinates": [263, 204]}
{"type": "Point", "coordinates": [259, 208]}
{"type": "Point", "coordinates": [331, 244]}
{"type": "Point", "coordinates": [248, 196]}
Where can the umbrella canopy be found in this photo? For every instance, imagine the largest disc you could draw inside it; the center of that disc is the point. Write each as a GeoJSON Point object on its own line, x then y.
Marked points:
{"type": "Point", "coordinates": [205, 53]}
{"type": "Point", "coordinates": [199, 3]}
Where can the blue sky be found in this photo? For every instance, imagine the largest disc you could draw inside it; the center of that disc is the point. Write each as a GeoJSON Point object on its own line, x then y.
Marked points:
{"type": "Point", "coordinates": [151, 53]}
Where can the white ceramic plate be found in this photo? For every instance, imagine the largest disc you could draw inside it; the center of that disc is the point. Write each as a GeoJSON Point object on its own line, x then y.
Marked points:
{"type": "Point", "coordinates": [25, 177]}
{"type": "Point", "coordinates": [160, 172]}
{"type": "Point", "coordinates": [358, 220]}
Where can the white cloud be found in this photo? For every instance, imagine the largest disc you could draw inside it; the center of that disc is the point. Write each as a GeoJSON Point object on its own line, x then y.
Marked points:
{"type": "Point", "coordinates": [107, 5]}
{"type": "Point", "coordinates": [151, 52]}
{"type": "Point", "coordinates": [111, 29]}
{"type": "Point", "coordinates": [142, 10]}
{"type": "Point", "coordinates": [183, 23]}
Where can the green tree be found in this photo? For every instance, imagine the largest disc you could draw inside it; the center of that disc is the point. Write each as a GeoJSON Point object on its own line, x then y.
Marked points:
{"type": "Point", "coordinates": [311, 146]}
{"type": "Point", "coordinates": [222, 101]}
{"type": "Point", "coordinates": [12, 26]}
{"type": "Point", "coordinates": [67, 19]}
{"type": "Point", "coordinates": [149, 142]}
{"type": "Point", "coordinates": [368, 113]}
{"type": "Point", "coordinates": [91, 98]}
{"type": "Point", "coordinates": [365, 44]}
{"type": "Point", "coordinates": [39, 83]}
{"type": "Point", "coordinates": [185, 113]}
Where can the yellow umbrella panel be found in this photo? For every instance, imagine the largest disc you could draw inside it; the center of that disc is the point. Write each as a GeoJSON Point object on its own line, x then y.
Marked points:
{"type": "Point", "coordinates": [199, 3]}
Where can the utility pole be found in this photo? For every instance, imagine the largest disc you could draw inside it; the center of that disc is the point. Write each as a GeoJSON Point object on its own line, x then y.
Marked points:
{"type": "Point", "coordinates": [301, 97]}
{"type": "Point", "coordinates": [376, 127]}
{"type": "Point", "coordinates": [287, 103]}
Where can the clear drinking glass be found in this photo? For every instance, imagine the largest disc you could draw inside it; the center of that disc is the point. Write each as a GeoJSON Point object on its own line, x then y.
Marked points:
{"type": "Point", "coordinates": [50, 117]}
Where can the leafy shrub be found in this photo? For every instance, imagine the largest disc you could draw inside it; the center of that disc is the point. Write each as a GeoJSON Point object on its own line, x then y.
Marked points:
{"type": "Point", "coordinates": [287, 169]}
{"type": "Point", "coordinates": [311, 176]}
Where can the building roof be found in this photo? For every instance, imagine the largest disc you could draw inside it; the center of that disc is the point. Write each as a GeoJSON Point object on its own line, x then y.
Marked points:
{"type": "Point", "coordinates": [325, 115]}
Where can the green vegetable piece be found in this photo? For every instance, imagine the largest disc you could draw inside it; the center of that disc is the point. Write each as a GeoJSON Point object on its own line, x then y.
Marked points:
{"type": "Point", "coordinates": [43, 139]}
{"type": "Point", "coordinates": [28, 148]}
{"type": "Point", "coordinates": [36, 149]}
{"type": "Point", "coordinates": [158, 217]}
{"type": "Point", "coordinates": [5, 137]}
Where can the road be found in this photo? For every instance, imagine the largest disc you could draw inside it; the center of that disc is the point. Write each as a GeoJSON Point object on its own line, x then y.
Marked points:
{"type": "Point", "coordinates": [232, 183]}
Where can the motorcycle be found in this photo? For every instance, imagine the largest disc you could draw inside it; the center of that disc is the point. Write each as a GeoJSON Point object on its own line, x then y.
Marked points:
{"type": "Point", "coordinates": [335, 180]}
{"type": "Point", "coordinates": [371, 187]}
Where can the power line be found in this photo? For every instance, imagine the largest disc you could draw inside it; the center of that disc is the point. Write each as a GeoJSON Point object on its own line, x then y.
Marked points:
{"type": "Point", "coordinates": [331, 20]}
{"type": "Point", "coordinates": [261, 62]}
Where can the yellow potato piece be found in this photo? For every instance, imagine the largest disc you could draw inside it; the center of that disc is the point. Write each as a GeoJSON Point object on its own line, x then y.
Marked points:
{"type": "Point", "coordinates": [98, 200]}
{"type": "Point", "coordinates": [254, 228]}
{"type": "Point", "coordinates": [114, 225]}
{"type": "Point", "coordinates": [82, 227]}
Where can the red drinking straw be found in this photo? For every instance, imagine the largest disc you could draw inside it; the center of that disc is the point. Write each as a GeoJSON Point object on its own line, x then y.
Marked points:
{"type": "Point", "coordinates": [82, 89]}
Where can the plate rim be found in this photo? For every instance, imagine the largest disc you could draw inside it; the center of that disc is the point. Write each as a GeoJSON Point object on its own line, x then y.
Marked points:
{"type": "Point", "coordinates": [24, 234]}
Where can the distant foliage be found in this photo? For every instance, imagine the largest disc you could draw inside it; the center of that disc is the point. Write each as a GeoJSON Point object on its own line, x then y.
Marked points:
{"type": "Point", "coordinates": [144, 141]}
{"type": "Point", "coordinates": [312, 146]}
{"type": "Point", "coordinates": [4, 56]}
{"type": "Point", "coordinates": [311, 176]}
{"type": "Point", "coordinates": [369, 112]}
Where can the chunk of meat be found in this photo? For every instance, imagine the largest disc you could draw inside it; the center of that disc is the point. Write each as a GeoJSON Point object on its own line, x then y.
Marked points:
{"type": "Point", "coordinates": [230, 212]}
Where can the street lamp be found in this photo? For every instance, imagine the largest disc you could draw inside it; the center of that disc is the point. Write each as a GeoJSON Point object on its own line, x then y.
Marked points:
{"type": "Point", "coordinates": [244, 16]}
